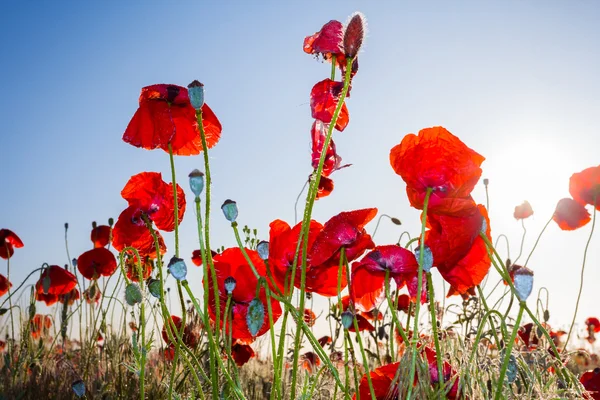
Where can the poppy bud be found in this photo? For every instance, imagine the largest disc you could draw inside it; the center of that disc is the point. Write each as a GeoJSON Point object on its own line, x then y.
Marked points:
{"type": "Point", "coordinates": [230, 210]}
{"type": "Point", "coordinates": [111, 222]}
{"type": "Point", "coordinates": [523, 279]}
{"type": "Point", "coordinates": [79, 388]}
{"type": "Point", "coordinates": [427, 258]}
{"type": "Point", "coordinates": [486, 181]}
{"type": "Point", "coordinates": [177, 268]}
{"type": "Point", "coordinates": [133, 294]}
{"type": "Point", "coordinates": [66, 225]}
{"type": "Point", "coordinates": [255, 317]}
{"type": "Point", "coordinates": [196, 182]}
{"type": "Point", "coordinates": [354, 35]}
{"type": "Point", "coordinates": [229, 284]}
{"type": "Point", "coordinates": [94, 224]}
{"type": "Point", "coordinates": [263, 249]}
{"type": "Point", "coordinates": [347, 319]}
{"type": "Point", "coordinates": [196, 94]}
{"type": "Point", "coordinates": [154, 287]}
{"type": "Point", "coordinates": [396, 221]}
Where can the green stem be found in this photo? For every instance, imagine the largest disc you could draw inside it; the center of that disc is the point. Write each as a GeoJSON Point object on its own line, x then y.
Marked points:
{"type": "Point", "coordinates": [587, 245]}
{"type": "Point", "coordinates": [434, 329]}
{"type": "Point", "coordinates": [537, 241]}
{"type": "Point", "coordinates": [507, 352]}
{"type": "Point", "coordinates": [522, 241]}
{"type": "Point", "coordinates": [415, 338]}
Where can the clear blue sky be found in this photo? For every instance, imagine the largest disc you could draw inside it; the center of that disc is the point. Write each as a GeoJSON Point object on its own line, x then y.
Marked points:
{"type": "Point", "coordinates": [517, 81]}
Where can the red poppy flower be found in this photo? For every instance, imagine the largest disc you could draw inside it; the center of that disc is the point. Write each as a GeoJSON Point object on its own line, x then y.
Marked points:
{"type": "Point", "coordinates": [130, 231]}
{"type": "Point", "coordinates": [100, 235]}
{"type": "Point", "coordinates": [2, 345]}
{"type": "Point", "coordinates": [593, 324]}
{"type": "Point", "coordinates": [403, 303]}
{"type": "Point", "coordinates": [5, 285]}
{"type": "Point", "coordinates": [325, 187]}
{"type": "Point", "coordinates": [241, 353]}
{"type": "Point", "coordinates": [439, 160]}
{"type": "Point", "coordinates": [325, 340]}
{"type": "Point", "coordinates": [591, 382]}
{"type": "Point", "coordinates": [49, 299]}
{"type": "Point", "coordinates": [190, 337]}
{"type": "Point", "coordinates": [231, 263]}
{"type": "Point", "coordinates": [324, 98]}
{"type": "Point", "coordinates": [283, 241]}
{"type": "Point", "coordinates": [447, 371]}
{"type": "Point", "coordinates": [584, 186]}
{"type": "Point", "coordinates": [310, 361]}
{"type": "Point", "coordinates": [368, 275]}
{"type": "Point", "coordinates": [92, 294]}
{"type": "Point", "coordinates": [131, 268]}
{"type": "Point", "coordinates": [169, 353]}
{"type": "Point", "coordinates": [309, 317]}
{"type": "Point", "coordinates": [70, 297]}
{"type": "Point", "coordinates": [385, 383]}
{"type": "Point", "coordinates": [570, 215]}
{"type": "Point", "coordinates": [529, 335]}
{"type": "Point", "coordinates": [8, 241]}
{"type": "Point", "coordinates": [197, 257]}
{"type": "Point", "coordinates": [58, 281]}
{"type": "Point", "coordinates": [96, 263]}
{"type": "Point", "coordinates": [166, 116]}
{"type": "Point", "coordinates": [328, 42]}
{"type": "Point", "coordinates": [523, 211]}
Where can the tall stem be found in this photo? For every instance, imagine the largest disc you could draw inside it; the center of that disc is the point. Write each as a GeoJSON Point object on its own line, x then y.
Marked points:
{"type": "Point", "coordinates": [507, 352]}
{"type": "Point", "coordinates": [415, 337]}
{"type": "Point", "coordinates": [434, 329]}
{"type": "Point", "coordinates": [537, 241]}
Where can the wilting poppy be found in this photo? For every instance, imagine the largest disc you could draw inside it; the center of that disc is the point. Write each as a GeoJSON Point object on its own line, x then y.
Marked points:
{"type": "Point", "coordinates": [368, 275]}
{"type": "Point", "coordinates": [131, 268]}
{"type": "Point", "coordinates": [165, 116]}
{"type": "Point", "coordinates": [231, 263]}
{"type": "Point", "coordinates": [241, 353]}
{"type": "Point", "coordinates": [530, 335]}
{"type": "Point", "coordinates": [332, 160]}
{"type": "Point", "coordinates": [325, 340]}
{"type": "Point", "coordinates": [584, 186]}
{"type": "Point", "coordinates": [92, 294]}
{"type": "Point", "coordinates": [309, 317]}
{"type": "Point", "coordinates": [523, 211]}
{"type": "Point", "coordinates": [55, 280]}
{"type": "Point", "coordinates": [438, 160]}
{"type": "Point", "coordinates": [591, 382]}
{"type": "Point", "coordinates": [329, 42]}
{"type": "Point", "coordinates": [70, 297]}
{"type": "Point", "coordinates": [593, 324]}
{"type": "Point", "coordinates": [190, 337]}
{"type": "Point", "coordinates": [283, 241]}
{"type": "Point", "coordinates": [8, 242]}
{"type": "Point", "coordinates": [5, 285]}
{"type": "Point", "coordinates": [96, 263]}
{"type": "Point", "coordinates": [570, 215]}
{"type": "Point", "coordinates": [324, 98]}
{"type": "Point", "coordinates": [49, 299]}
{"type": "Point", "coordinates": [100, 235]}
{"type": "Point", "coordinates": [310, 361]}
{"type": "Point", "coordinates": [325, 188]}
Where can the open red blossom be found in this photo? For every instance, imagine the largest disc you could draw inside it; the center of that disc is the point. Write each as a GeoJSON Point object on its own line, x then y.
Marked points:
{"type": "Point", "coordinates": [591, 382]}
{"type": "Point", "coordinates": [165, 116]}
{"type": "Point", "coordinates": [324, 98]}
{"type": "Point", "coordinates": [8, 242]}
{"type": "Point", "coordinates": [70, 297]}
{"type": "Point", "coordinates": [190, 337]}
{"type": "Point", "coordinates": [368, 275]}
{"type": "Point", "coordinates": [439, 160]}
{"type": "Point", "coordinates": [231, 263]}
{"type": "Point", "coordinates": [131, 268]}
{"type": "Point", "coordinates": [241, 353]}
{"type": "Point", "coordinates": [131, 231]}
{"type": "Point", "coordinates": [96, 263]}
{"type": "Point", "coordinates": [593, 324]}
{"type": "Point", "coordinates": [324, 340]}
{"type": "Point", "coordinates": [283, 241]}
{"type": "Point", "coordinates": [584, 186]}
{"type": "Point", "coordinates": [100, 235]}
{"type": "Point", "coordinates": [385, 383]}
{"type": "Point", "coordinates": [523, 211]}
{"type": "Point", "coordinates": [57, 279]}
{"type": "Point", "coordinates": [5, 285]}
{"type": "Point", "coordinates": [49, 299]}
{"type": "Point", "coordinates": [570, 215]}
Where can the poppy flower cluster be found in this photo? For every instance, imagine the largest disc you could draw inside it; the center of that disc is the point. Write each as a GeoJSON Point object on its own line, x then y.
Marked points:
{"type": "Point", "coordinates": [54, 282]}
{"type": "Point", "coordinates": [166, 117]}
{"type": "Point", "coordinates": [584, 187]}
{"type": "Point", "coordinates": [437, 161]}
{"type": "Point", "coordinates": [231, 266]}
{"type": "Point", "coordinates": [342, 42]}
{"type": "Point", "coordinates": [8, 242]}
{"type": "Point", "coordinates": [149, 198]}
{"type": "Point", "coordinates": [345, 230]}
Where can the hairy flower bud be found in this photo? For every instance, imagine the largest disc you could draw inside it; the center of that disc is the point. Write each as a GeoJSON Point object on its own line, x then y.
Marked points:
{"type": "Point", "coordinates": [354, 35]}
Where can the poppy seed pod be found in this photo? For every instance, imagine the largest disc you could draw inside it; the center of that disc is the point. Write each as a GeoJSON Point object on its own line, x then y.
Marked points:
{"type": "Point", "coordinates": [154, 287]}
{"type": "Point", "coordinates": [177, 268]}
{"type": "Point", "coordinates": [263, 249]}
{"type": "Point", "coordinates": [196, 94]}
{"type": "Point", "coordinates": [230, 210]}
{"type": "Point", "coordinates": [427, 258]}
{"type": "Point", "coordinates": [347, 319]}
{"type": "Point", "coordinates": [196, 182]}
{"type": "Point", "coordinates": [230, 284]}
{"type": "Point", "coordinates": [523, 280]}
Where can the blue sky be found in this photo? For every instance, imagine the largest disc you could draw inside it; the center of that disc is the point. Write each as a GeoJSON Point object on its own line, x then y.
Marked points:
{"type": "Point", "coordinates": [516, 81]}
